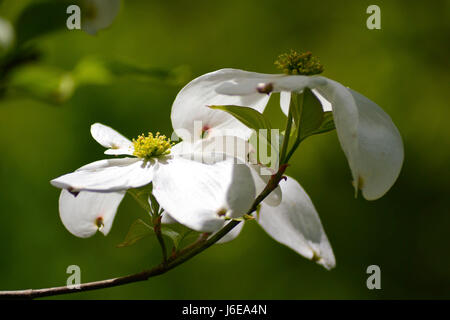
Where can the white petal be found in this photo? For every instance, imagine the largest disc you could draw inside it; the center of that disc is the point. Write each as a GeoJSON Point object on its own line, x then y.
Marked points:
{"type": "Point", "coordinates": [297, 83]}
{"type": "Point", "coordinates": [110, 138]}
{"type": "Point", "coordinates": [243, 83]}
{"type": "Point", "coordinates": [285, 100]}
{"type": "Point", "coordinates": [88, 212]}
{"type": "Point", "coordinates": [261, 180]}
{"type": "Point", "coordinates": [191, 104]}
{"type": "Point", "coordinates": [183, 148]}
{"type": "Point", "coordinates": [167, 218]}
{"type": "Point", "coordinates": [326, 105]}
{"type": "Point", "coordinates": [108, 175]}
{"type": "Point", "coordinates": [232, 234]}
{"type": "Point", "coordinates": [196, 194]}
{"type": "Point", "coordinates": [369, 138]}
{"type": "Point", "coordinates": [247, 83]}
{"type": "Point", "coordinates": [296, 224]}
{"type": "Point", "coordinates": [239, 148]}
{"type": "Point", "coordinates": [100, 14]}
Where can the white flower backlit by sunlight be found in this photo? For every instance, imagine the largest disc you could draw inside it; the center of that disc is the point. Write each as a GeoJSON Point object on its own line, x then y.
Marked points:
{"type": "Point", "coordinates": [368, 137]}
{"type": "Point", "coordinates": [198, 193]}
{"type": "Point", "coordinates": [287, 214]}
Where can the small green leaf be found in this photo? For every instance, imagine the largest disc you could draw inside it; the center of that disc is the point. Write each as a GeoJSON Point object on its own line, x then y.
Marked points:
{"type": "Point", "coordinates": [40, 18]}
{"type": "Point", "coordinates": [248, 116]}
{"type": "Point", "coordinates": [308, 118]}
{"type": "Point", "coordinates": [138, 230]}
{"type": "Point", "coordinates": [308, 115]}
{"type": "Point", "coordinates": [186, 235]}
{"type": "Point", "coordinates": [296, 105]}
{"type": "Point", "coordinates": [43, 83]}
{"type": "Point", "coordinates": [141, 197]}
{"type": "Point", "coordinates": [327, 123]}
{"type": "Point", "coordinates": [172, 235]}
{"type": "Point", "coordinates": [92, 71]}
{"type": "Point", "coordinates": [312, 114]}
{"type": "Point", "coordinates": [101, 70]}
{"type": "Point", "coordinates": [174, 76]}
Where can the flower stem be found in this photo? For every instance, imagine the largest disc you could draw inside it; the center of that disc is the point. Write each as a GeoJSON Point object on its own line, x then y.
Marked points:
{"type": "Point", "coordinates": [287, 134]}
{"type": "Point", "coordinates": [157, 229]}
{"type": "Point", "coordinates": [294, 147]}
{"type": "Point", "coordinates": [296, 102]}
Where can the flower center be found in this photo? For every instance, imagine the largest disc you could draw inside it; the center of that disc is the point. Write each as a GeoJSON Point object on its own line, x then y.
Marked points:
{"type": "Point", "coordinates": [299, 63]}
{"type": "Point", "coordinates": [150, 146]}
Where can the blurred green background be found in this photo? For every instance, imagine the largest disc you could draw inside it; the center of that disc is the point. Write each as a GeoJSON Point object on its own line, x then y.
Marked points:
{"type": "Point", "coordinates": [404, 67]}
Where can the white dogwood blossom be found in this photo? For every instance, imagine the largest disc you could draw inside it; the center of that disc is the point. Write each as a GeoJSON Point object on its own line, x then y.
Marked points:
{"type": "Point", "coordinates": [198, 194]}
{"type": "Point", "coordinates": [287, 214]}
{"type": "Point", "coordinates": [368, 137]}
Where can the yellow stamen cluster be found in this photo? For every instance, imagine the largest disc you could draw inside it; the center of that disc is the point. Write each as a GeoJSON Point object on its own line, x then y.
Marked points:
{"type": "Point", "coordinates": [299, 63]}
{"type": "Point", "coordinates": [150, 146]}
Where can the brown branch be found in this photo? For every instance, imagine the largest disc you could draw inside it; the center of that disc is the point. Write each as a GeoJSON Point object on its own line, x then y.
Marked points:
{"type": "Point", "coordinates": [39, 293]}
{"type": "Point", "coordinates": [184, 255]}
{"type": "Point", "coordinates": [157, 229]}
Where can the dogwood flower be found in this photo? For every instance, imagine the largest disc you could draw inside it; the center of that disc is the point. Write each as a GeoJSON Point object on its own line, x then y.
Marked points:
{"type": "Point", "coordinates": [98, 14]}
{"type": "Point", "coordinates": [368, 137]}
{"type": "Point", "coordinates": [287, 214]}
{"type": "Point", "coordinates": [198, 194]}
{"type": "Point", "coordinates": [370, 140]}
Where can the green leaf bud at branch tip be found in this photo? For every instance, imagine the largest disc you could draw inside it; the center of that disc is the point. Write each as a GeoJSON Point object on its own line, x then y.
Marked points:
{"type": "Point", "coordinates": [295, 63]}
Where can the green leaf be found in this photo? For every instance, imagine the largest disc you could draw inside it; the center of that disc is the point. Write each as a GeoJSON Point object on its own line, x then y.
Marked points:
{"type": "Point", "coordinates": [308, 118]}
{"type": "Point", "coordinates": [296, 106]}
{"type": "Point", "coordinates": [308, 115]}
{"type": "Point", "coordinates": [172, 235]}
{"type": "Point", "coordinates": [312, 114]}
{"type": "Point", "coordinates": [248, 116]}
{"type": "Point", "coordinates": [40, 18]}
{"type": "Point", "coordinates": [141, 197]}
{"type": "Point", "coordinates": [101, 70]}
{"type": "Point", "coordinates": [138, 230]}
{"type": "Point", "coordinates": [43, 83]}
{"type": "Point", "coordinates": [92, 71]}
{"type": "Point", "coordinates": [327, 123]}
{"type": "Point", "coordinates": [186, 235]}
{"type": "Point", "coordinates": [175, 76]}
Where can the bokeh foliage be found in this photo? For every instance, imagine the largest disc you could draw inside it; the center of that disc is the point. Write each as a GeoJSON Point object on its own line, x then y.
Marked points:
{"type": "Point", "coordinates": [403, 67]}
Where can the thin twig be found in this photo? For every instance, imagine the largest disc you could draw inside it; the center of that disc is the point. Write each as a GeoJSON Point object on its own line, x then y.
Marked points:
{"type": "Point", "coordinates": [157, 229]}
